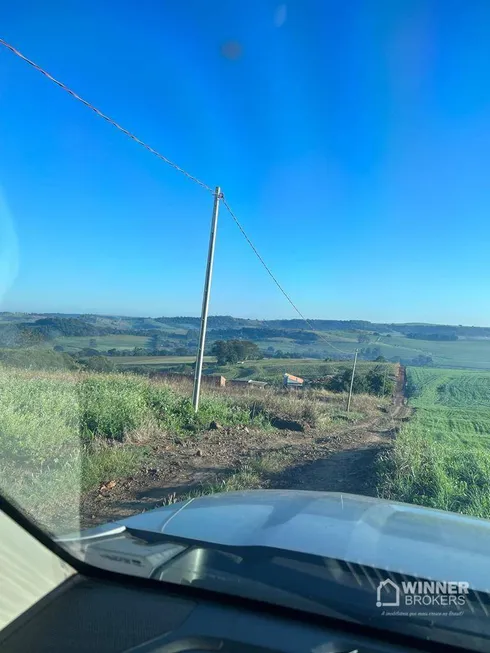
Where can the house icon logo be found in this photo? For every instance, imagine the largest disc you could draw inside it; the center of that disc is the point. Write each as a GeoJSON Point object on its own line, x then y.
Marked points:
{"type": "Point", "coordinates": [389, 591]}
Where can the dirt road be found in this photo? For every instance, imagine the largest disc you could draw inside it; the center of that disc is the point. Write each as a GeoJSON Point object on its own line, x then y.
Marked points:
{"type": "Point", "coordinates": [342, 461]}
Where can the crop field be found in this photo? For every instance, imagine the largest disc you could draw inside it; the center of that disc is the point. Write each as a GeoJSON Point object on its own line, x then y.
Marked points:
{"type": "Point", "coordinates": [441, 457]}
{"type": "Point", "coordinates": [460, 353]}
{"type": "Point", "coordinates": [157, 362]}
{"type": "Point", "coordinates": [272, 369]}
{"type": "Point", "coordinates": [103, 343]}
{"type": "Point", "coordinates": [463, 353]}
{"type": "Point", "coordinates": [267, 369]}
{"type": "Point", "coordinates": [452, 354]}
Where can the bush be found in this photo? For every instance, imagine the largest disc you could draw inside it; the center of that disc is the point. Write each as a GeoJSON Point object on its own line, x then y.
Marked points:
{"type": "Point", "coordinates": [37, 359]}
{"type": "Point", "coordinates": [99, 364]}
{"type": "Point", "coordinates": [110, 406]}
{"type": "Point", "coordinates": [38, 416]}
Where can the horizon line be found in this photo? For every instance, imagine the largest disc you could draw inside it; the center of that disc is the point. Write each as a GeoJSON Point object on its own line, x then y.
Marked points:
{"type": "Point", "coordinates": [249, 319]}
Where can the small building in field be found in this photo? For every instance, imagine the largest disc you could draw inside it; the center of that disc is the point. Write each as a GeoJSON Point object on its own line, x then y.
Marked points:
{"type": "Point", "coordinates": [207, 379]}
{"type": "Point", "coordinates": [247, 383]}
{"type": "Point", "coordinates": [290, 381]}
{"type": "Point", "coordinates": [216, 380]}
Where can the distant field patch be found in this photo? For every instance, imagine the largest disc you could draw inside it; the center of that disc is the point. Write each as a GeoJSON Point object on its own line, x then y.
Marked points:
{"type": "Point", "coordinates": [103, 343]}
{"type": "Point", "coordinates": [458, 353]}
{"type": "Point", "coordinates": [158, 361]}
{"type": "Point", "coordinates": [272, 369]}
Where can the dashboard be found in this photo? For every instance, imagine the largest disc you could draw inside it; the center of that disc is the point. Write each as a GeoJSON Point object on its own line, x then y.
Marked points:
{"type": "Point", "coordinates": [100, 616]}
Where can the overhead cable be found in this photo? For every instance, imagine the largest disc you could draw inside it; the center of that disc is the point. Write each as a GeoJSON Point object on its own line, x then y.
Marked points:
{"type": "Point", "coordinates": [176, 167]}
{"type": "Point", "coordinates": [104, 116]}
{"type": "Point", "coordinates": [274, 279]}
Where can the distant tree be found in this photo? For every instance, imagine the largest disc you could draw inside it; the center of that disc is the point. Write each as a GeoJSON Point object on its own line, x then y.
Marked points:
{"type": "Point", "coordinates": [181, 351]}
{"type": "Point", "coordinates": [93, 343]}
{"type": "Point", "coordinates": [156, 342]}
{"type": "Point", "coordinates": [59, 348]}
{"type": "Point", "coordinates": [232, 351]}
{"type": "Point", "coordinates": [112, 352]}
{"type": "Point", "coordinates": [363, 337]}
{"type": "Point", "coordinates": [379, 382]}
{"type": "Point", "coordinates": [374, 380]}
{"type": "Point", "coordinates": [220, 349]}
{"type": "Point", "coordinates": [341, 382]}
{"type": "Point", "coordinates": [380, 359]}
{"type": "Point", "coordinates": [422, 360]}
{"type": "Point", "coordinates": [87, 352]}
{"type": "Point", "coordinates": [192, 335]}
{"type": "Point", "coordinates": [100, 364]}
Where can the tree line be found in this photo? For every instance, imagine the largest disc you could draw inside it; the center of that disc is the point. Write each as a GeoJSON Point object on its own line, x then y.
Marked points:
{"type": "Point", "coordinates": [234, 351]}
{"type": "Point", "coordinates": [376, 381]}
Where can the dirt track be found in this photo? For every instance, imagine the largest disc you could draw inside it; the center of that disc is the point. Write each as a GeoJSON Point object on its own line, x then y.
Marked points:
{"type": "Point", "coordinates": [339, 462]}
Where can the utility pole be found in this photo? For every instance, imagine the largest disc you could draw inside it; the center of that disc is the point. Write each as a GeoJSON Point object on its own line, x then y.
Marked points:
{"type": "Point", "coordinates": [205, 301]}
{"type": "Point", "coordinates": [352, 381]}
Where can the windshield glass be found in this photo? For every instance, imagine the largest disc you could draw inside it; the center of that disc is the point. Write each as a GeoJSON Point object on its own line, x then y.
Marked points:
{"type": "Point", "coordinates": [244, 248]}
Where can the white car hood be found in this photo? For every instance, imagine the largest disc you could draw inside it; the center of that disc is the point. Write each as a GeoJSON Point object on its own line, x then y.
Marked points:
{"type": "Point", "coordinates": [387, 535]}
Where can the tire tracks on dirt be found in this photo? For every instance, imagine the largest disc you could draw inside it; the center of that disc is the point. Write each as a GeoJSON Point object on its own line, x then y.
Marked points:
{"type": "Point", "coordinates": [341, 461]}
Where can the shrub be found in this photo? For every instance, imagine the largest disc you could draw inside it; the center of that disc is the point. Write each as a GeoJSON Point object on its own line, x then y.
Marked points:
{"type": "Point", "coordinates": [112, 405]}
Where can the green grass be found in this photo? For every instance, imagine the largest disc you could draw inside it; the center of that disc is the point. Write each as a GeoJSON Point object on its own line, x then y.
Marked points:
{"type": "Point", "coordinates": [473, 354]}
{"type": "Point", "coordinates": [62, 433]}
{"type": "Point", "coordinates": [441, 458]}
{"type": "Point", "coordinates": [157, 362]}
{"type": "Point", "coordinates": [65, 432]}
{"type": "Point", "coordinates": [272, 369]}
{"type": "Point", "coordinates": [75, 343]}
{"type": "Point", "coordinates": [453, 354]}
{"type": "Point", "coordinates": [460, 353]}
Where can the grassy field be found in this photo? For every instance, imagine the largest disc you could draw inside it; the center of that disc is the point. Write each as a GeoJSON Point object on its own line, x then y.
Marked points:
{"type": "Point", "coordinates": [267, 369]}
{"type": "Point", "coordinates": [473, 354]}
{"type": "Point", "coordinates": [460, 353]}
{"type": "Point", "coordinates": [441, 458]}
{"type": "Point", "coordinates": [272, 369]}
{"type": "Point", "coordinates": [103, 343]}
{"type": "Point", "coordinates": [63, 433]}
{"type": "Point", "coordinates": [157, 362]}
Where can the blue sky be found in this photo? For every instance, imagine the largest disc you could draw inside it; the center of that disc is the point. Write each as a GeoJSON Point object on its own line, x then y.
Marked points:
{"type": "Point", "coordinates": [352, 139]}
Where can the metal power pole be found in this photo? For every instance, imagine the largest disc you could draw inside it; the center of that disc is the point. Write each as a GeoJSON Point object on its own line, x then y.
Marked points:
{"type": "Point", "coordinates": [352, 381]}
{"type": "Point", "coordinates": [205, 301]}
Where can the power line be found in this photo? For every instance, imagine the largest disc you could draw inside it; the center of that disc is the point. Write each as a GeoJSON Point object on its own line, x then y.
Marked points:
{"type": "Point", "coordinates": [176, 167]}
{"type": "Point", "coordinates": [274, 279]}
{"type": "Point", "coordinates": [104, 116]}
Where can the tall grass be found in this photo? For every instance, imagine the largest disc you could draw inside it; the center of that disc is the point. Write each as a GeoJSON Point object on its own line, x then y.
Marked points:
{"type": "Point", "coordinates": [65, 432]}
{"type": "Point", "coordinates": [441, 458]}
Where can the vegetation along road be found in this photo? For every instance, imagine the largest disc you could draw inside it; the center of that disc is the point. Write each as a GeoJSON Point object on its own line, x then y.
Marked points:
{"type": "Point", "coordinates": [317, 447]}
{"type": "Point", "coordinates": [441, 457]}
{"type": "Point", "coordinates": [116, 444]}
